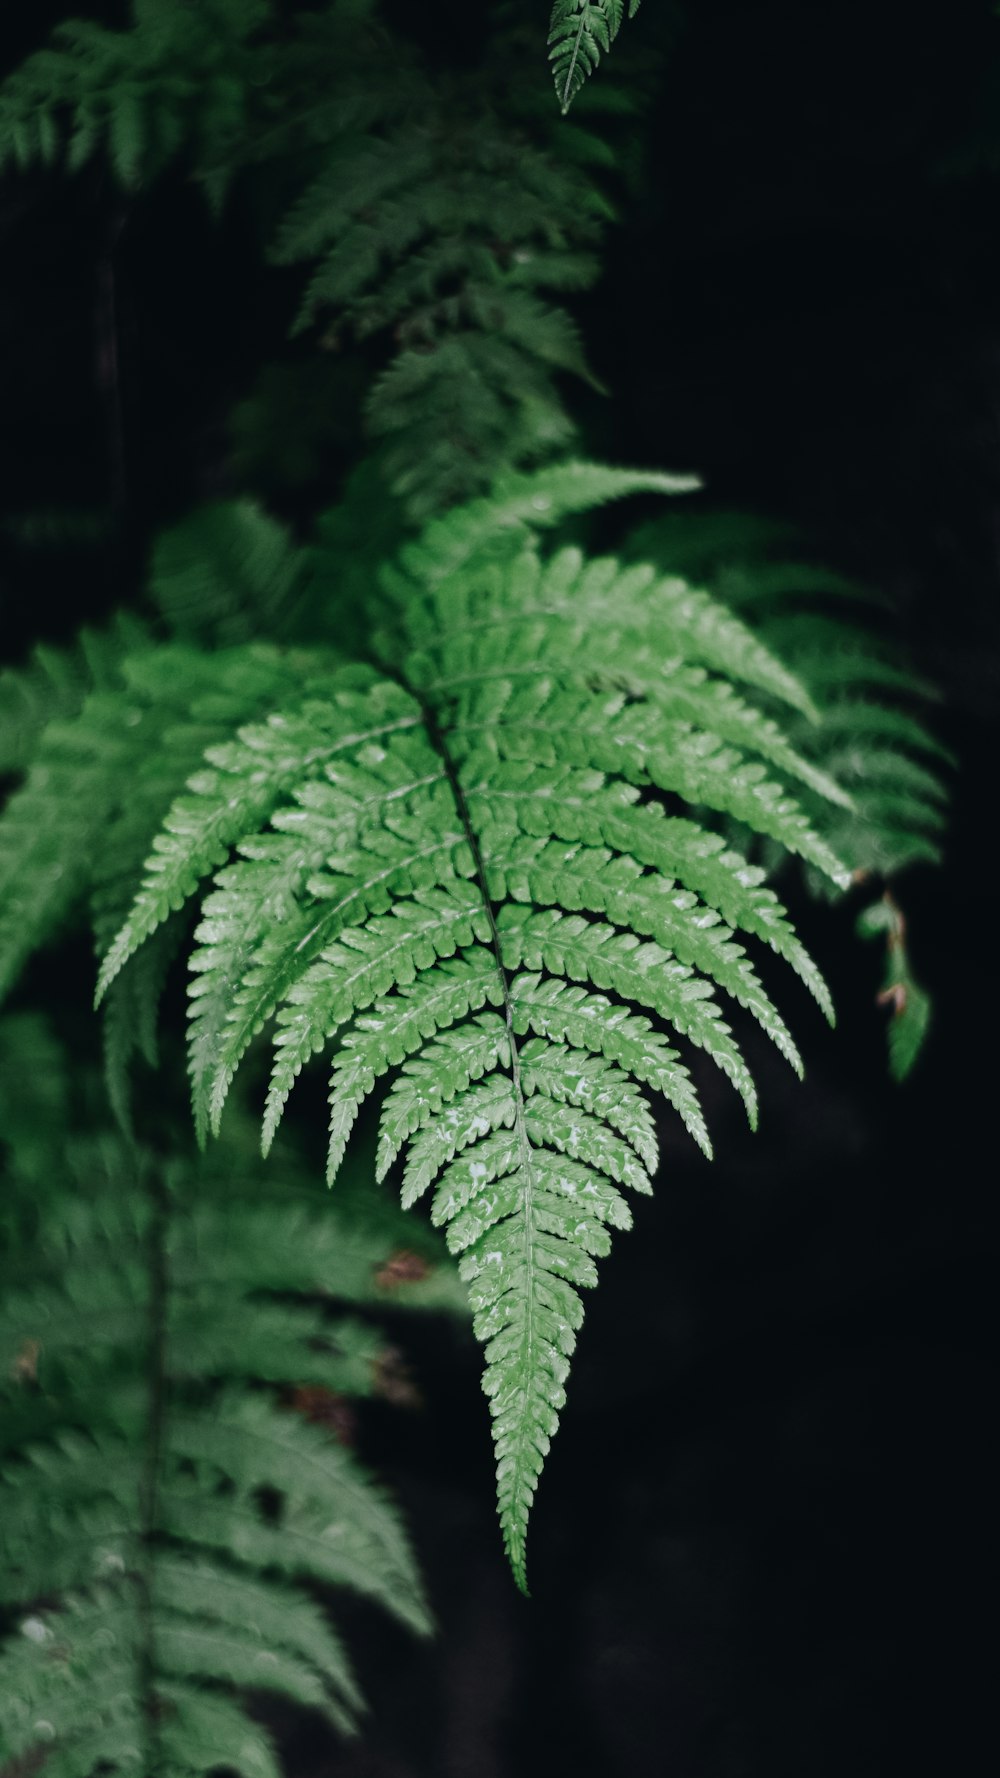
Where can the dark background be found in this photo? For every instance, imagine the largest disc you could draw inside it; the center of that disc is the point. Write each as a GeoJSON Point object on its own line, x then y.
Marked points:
{"type": "Point", "coordinates": [763, 1546]}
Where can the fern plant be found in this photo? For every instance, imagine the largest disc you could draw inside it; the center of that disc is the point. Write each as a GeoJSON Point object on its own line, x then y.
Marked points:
{"type": "Point", "coordinates": [491, 863]}
{"type": "Point", "coordinates": [442, 861]}
{"type": "Point", "coordinates": [167, 1513]}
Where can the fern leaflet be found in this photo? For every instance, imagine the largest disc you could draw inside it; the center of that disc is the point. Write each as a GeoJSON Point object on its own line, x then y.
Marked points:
{"type": "Point", "coordinates": [580, 32]}
{"type": "Point", "coordinates": [872, 737]}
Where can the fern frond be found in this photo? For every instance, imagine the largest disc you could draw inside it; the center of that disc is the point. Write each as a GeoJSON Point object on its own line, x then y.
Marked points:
{"type": "Point", "coordinates": [580, 32]}
{"type": "Point", "coordinates": [240, 790]}
{"type": "Point", "coordinates": [518, 506]}
{"type": "Point", "coordinates": [181, 77]}
{"type": "Point", "coordinates": [168, 1603]}
{"type": "Point", "coordinates": [444, 219]}
{"type": "Point", "coordinates": [872, 737]}
{"type": "Point", "coordinates": [455, 864]}
{"type": "Point", "coordinates": [227, 574]}
{"type": "Point", "coordinates": [444, 226]}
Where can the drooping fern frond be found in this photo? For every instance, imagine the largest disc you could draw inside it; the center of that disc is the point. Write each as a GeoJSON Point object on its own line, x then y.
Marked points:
{"type": "Point", "coordinates": [460, 864]}
{"type": "Point", "coordinates": [454, 229]}
{"type": "Point", "coordinates": [580, 32]}
{"type": "Point", "coordinates": [166, 1520]}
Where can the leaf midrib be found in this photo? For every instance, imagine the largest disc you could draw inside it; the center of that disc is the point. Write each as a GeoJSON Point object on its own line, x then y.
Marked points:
{"type": "Point", "coordinates": [439, 742]}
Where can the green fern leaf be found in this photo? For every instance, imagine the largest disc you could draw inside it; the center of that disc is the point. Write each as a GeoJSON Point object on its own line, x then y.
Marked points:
{"type": "Point", "coordinates": [440, 860]}
{"type": "Point", "coordinates": [580, 32]}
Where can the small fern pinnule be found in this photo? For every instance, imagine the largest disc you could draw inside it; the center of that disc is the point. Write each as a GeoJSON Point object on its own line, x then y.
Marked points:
{"type": "Point", "coordinates": [104, 737]}
{"type": "Point", "coordinates": [455, 863]}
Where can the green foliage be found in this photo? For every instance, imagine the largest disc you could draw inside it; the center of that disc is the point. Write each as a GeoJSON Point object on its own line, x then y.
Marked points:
{"type": "Point", "coordinates": [873, 739]}
{"type": "Point", "coordinates": [178, 80]}
{"type": "Point", "coordinates": [453, 229]}
{"type": "Point", "coordinates": [465, 825]}
{"type": "Point", "coordinates": [580, 32]}
{"type": "Point", "coordinates": [107, 733]}
{"type": "Point", "coordinates": [34, 1096]}
{"type": "Point", "coordinates": [454, 861]}
{"type": "Point", "coordinates": [486, 816]}
{"type": "Point", "coordinates": [443, 219]}
{"type": "Point", "coordinates": [909, 1004]}
{"type": "Point", "coordinates": [55, 683]}
{"type": "Point", "coordinates": [166, 1519]}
